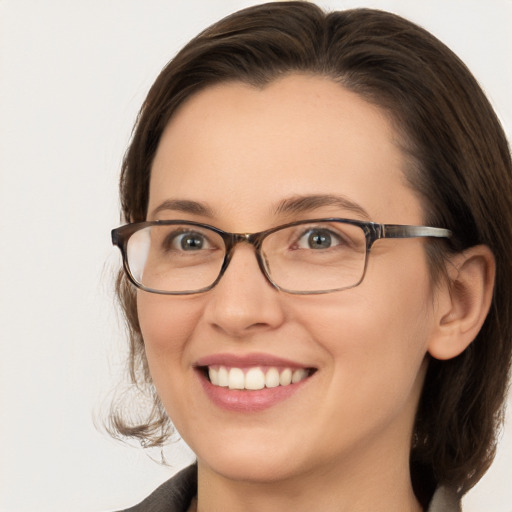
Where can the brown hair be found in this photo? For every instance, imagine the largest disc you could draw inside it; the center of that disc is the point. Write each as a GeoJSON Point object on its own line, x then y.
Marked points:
{"type": "Point", "coordinates": [459, 163]}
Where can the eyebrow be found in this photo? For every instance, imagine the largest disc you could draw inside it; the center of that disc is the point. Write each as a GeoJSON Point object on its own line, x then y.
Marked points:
{"type": "Point", "coordinates": [302, 204]}
{"type": "Point", "coordinates": [292, 205]}
{"type": "Point", "coordinates": [184, 206]}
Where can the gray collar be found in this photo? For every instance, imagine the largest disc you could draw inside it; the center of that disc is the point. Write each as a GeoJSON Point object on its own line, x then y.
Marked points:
{"type": "Point", "coordinates": [445, 499]}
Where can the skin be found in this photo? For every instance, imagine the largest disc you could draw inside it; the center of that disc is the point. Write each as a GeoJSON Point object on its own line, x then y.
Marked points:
{"type": "Point", "coordinates": [340, 443]}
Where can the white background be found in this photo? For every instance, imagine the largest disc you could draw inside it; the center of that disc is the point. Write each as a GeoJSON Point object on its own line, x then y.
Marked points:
{"type": "Point", "coordinates": [72, 77]}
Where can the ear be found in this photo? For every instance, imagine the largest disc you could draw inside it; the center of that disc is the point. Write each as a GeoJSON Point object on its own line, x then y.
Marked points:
{"type": "Point", "coordinates": [463, 302]}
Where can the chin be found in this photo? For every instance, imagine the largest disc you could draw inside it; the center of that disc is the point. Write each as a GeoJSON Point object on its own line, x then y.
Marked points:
{"type": "Point", "coordinates": [257, 461]}
{"type": "Point", "coordinates": [251, 470]}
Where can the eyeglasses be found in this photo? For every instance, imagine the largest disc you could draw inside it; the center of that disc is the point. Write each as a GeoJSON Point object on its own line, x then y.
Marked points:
{"type": "Point", "coordinates": [178, 257]}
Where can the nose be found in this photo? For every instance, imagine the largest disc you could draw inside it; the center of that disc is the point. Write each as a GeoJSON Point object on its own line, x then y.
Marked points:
{"type": "Point", "coordinates": [244, 302]}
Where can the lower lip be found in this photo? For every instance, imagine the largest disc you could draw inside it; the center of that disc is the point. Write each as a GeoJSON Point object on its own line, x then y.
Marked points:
{"type": "Point", "coordinates": [248, 401]}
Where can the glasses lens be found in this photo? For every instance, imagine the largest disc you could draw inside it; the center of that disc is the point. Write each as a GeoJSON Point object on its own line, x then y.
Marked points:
{"type": "Point", "coordinates": [317, 256]}
{"type": "Point", "coordinates": [175, 258]}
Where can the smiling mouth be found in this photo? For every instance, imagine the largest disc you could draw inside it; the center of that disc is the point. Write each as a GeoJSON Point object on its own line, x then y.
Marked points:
{"type": "Point", "coordinates": [255, 378]}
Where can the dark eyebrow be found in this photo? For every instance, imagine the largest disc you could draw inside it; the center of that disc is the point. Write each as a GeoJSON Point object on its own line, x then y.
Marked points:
{"type": "Point", "coordinates": [301, 204]}
{"type": "Point", "coordinates": [185, 206]}
{"type": "Point", "coordinates": [295, 204]}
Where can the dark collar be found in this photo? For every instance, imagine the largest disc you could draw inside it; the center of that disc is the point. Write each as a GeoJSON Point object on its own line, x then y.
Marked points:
{"type": "Point", "coordinates": [174, 495]}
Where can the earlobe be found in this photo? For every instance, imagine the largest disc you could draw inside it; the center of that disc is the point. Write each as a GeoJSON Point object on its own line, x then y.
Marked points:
{"type": "Point", "coordinates": [463, 302]}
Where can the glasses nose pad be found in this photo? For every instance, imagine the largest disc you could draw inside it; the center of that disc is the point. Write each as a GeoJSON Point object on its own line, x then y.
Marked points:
{"type": "Point", "coordinates": [264, 266]}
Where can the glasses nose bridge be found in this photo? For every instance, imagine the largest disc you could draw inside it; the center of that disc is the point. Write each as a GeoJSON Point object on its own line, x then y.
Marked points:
{"type": "Point", "coordinates": [231, 240]}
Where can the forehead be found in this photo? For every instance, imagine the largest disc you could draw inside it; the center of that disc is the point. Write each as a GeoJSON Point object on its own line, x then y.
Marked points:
{"type": "Point", "coordinates": [239, 148]}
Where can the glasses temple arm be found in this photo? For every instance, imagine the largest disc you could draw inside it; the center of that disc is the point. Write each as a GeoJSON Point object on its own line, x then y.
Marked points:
{"type": "Point", "coordinates": [401, 231]}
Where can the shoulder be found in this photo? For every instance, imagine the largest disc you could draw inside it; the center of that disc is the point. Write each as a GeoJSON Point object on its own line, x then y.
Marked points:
{"type": "Point", "coordinates": [174, 495]}
{"type": "Point", "coordinates": [445, 499]}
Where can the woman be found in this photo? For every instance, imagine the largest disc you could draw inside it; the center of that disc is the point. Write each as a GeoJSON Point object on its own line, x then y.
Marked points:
{"type": "Point", "coordinates": [319, 214]}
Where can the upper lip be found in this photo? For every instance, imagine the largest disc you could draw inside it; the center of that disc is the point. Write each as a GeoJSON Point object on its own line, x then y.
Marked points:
{"type": "Point", "coordinates": [247, 360]}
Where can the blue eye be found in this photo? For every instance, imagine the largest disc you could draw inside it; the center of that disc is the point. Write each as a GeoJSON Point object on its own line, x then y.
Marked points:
{"type": "Point", "coordinates": [318, 239]}
{"type": "Point", "coordinates": [188, 241]}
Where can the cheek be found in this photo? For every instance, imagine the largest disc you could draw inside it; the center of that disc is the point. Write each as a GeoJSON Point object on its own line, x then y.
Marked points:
{"type": "Point", "coordinates": [379, 311]}
{"type": "Point", "coordinates": [167, 323]}
{"type": "Point", "coordinates": [376, 334]}
{"type": "Point", "coordinates": [373, 332]}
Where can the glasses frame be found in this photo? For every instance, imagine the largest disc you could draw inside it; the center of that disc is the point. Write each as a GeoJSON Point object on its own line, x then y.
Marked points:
{"type": "Point", "coordinates": [372, 231]}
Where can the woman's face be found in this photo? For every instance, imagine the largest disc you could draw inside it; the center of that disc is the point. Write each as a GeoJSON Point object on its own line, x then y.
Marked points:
{"type": "Point", "coordinates": [236, 154]}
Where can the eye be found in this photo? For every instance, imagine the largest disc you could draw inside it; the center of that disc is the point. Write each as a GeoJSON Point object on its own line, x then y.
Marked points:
{"type": "Point", "coordinates": [318, 238]}
{"type": "Point", "coordinates": [187, 241]}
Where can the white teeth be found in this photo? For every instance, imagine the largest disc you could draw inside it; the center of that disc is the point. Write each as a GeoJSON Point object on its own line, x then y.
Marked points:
{"type": "Point", "coordinates": [286, 377]}
{"type": "Point", "coordinates": [236, 378]}
{"type": "Point", "coordinates": [272, 378]}
{"type": "Point", "coordinates": [214, 376]}
{"type": "Point", "coordinates": [223, 377]}
{"type": "Point", "coordinates": [299, 375]}
{"type": "Point", "coordinates": [254, 378]}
